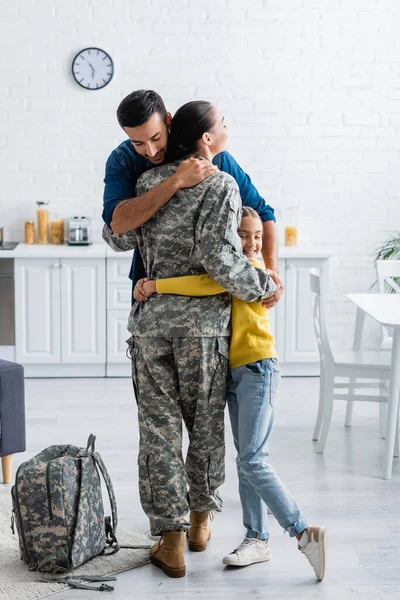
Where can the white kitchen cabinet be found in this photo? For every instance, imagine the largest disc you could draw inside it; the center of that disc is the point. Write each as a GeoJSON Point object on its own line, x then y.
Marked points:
{"type": "Point", "coordinates": [83, 310]}
{"type": "Point", "coordinates": [291, 319]}
{"type": "Point", "coordinates": [37, 311]}
{"type": "Point", "coordinates": [72, 307]}
{"type": "Point", "coordinates": [60, 313]}
{"type": "Point", "coordinates": [117, 334]}
{"type": "Point", "coordinates": [119, 290]}
{"type": "Point", "coordinates": [277, 315]}
{"type": "Point", "coordinates": [300, 346]}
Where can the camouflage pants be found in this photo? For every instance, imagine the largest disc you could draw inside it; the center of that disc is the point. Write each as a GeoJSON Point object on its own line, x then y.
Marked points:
{"type": "Point", "coordinates": [180, 379]}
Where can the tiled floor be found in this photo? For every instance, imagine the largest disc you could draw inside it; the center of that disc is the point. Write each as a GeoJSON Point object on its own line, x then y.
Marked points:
{"type": "Point", "coordinates": [342, 489]}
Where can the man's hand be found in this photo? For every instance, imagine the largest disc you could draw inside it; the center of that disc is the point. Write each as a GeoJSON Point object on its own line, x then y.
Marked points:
{"type": "Point", "coordinates": [139, 292]}
{"type": "Point", "coordinates": [272, 300]}
{"type": "Point", "coordinates": [193, 170]}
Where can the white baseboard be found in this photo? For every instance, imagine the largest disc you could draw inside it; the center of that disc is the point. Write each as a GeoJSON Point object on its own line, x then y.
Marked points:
{"type": "Point", "coordinates": [7, 353]}
{"type": "Point", "coordinates": [118, 370]}
{"type": "Point", "coordinates": [299, 369]}
{"type": "Point", "coordinates": [65, 370]}
{"type": "Point", "coordinates": [124, 369]}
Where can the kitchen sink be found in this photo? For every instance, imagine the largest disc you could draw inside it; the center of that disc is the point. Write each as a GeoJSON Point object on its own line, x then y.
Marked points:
{"type": "Point", "coordinates": [8, 245]}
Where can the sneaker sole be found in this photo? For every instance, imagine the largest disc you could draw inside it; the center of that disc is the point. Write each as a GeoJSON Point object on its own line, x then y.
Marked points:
{"type": "Point", "coordinates": [171, 572]}
{"type": "Point", "coordinates": [226, 561]}
{"type": "Point", "coordinates": [322, 536]}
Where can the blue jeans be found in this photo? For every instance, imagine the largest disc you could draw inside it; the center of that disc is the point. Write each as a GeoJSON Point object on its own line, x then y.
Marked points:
{"type": "Point", "coordinates": [251, 401]}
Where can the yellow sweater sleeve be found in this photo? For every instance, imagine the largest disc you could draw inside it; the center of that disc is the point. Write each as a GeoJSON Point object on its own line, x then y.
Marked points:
{"type": "Point", "coordinates": [191, 285]}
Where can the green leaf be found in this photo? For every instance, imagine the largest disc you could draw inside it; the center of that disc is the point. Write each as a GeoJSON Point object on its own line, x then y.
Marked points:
{"type": "Point", "coordinates": [390, 250]}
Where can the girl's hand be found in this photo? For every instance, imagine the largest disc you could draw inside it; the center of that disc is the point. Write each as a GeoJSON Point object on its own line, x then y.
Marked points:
{"type": "Point", "coordinates": [272, 300]}
{"type": "Point", "coordinates": [138, 293]}
{"type": "Point", "coordinates": [149, 287]}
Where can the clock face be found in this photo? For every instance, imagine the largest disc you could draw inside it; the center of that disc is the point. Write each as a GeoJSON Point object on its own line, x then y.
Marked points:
{"type": "Point", "coordinates": [92, 68]}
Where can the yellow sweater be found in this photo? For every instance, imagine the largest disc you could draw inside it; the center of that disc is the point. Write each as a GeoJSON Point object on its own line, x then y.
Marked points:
{"type": "Point", "coordinates": [251, 333]}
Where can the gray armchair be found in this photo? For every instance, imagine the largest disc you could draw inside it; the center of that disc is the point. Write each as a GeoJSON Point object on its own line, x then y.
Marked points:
{"type": "Point", "coordinates": [12, 414]}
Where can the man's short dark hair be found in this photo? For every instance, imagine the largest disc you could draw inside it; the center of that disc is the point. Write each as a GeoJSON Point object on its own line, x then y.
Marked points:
{"type": "Point", "coordinates": [138, 107]}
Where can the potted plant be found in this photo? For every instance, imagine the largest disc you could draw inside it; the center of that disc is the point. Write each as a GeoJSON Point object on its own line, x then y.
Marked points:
{"type": "Point", "coordinates": [390, 250]}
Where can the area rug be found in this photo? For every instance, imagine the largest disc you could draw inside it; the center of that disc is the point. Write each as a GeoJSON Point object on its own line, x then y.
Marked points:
{"type": "Point", "coordinates": [18, 583]}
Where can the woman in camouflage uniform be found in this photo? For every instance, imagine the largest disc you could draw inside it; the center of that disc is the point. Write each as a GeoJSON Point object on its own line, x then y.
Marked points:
{"type": "Point", "coordinates": [180, 344]}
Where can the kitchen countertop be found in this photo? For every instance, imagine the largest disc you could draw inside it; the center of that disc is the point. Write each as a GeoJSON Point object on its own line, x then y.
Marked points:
{"type": "Point", "coordinates": [56, 251]}
{"type": "Point", "coordinates": [101, 250]}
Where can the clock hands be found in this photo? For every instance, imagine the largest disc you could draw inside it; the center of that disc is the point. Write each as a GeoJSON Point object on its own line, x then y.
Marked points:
{"type": "Point", "coordinates": [101, 72]}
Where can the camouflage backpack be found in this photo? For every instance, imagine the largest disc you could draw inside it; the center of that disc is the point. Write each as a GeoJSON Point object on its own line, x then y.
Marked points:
{"type": "Point", "coordinates": [58, 509]}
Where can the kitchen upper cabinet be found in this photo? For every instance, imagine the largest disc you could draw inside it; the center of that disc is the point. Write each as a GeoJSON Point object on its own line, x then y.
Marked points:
{"type": "Point", "coordinates": [83, 310]}
{"type": "Point", "coordinates": [60, 312]}
{"type": "Point", "coordinates": [299, 337]}
{"type": "Point", "coordinates": [37, 310]}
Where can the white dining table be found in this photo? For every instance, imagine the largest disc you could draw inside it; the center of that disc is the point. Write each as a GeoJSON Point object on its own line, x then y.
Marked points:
{"type": "Point", "coordinates": [385, 309]}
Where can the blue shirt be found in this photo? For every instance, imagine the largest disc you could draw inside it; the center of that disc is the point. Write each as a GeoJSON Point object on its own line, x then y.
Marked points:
{"type": "Point", "coordinates": [124, 167]}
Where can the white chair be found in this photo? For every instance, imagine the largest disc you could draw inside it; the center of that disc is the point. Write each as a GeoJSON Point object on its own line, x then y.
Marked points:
{"type": "Point", "coordinates": [348, 364]}
{"type": "Point", "coordinates": [387, 270]}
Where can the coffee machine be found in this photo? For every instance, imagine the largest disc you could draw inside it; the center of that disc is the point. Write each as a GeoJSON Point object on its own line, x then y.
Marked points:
{"type": "Point", "coordinates": [79, 231]}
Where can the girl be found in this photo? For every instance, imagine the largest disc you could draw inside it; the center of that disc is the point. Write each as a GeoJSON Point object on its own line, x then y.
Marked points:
{"type": "Point", "coordinates": [253, 384]}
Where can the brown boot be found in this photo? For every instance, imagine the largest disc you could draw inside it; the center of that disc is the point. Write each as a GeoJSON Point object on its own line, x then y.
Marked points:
{"type": "Point", "coordinates": [199, 533]}
{"type": "Point", "coordinates": [167, 554]}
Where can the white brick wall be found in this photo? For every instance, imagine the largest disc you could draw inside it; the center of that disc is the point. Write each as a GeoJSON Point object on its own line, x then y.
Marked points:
{"type": "Point", "coordinates": [310, 89]}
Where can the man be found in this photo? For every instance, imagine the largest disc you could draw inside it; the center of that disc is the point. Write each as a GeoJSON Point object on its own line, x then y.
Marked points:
{"type": "Point", "coordinates": [145, 120]}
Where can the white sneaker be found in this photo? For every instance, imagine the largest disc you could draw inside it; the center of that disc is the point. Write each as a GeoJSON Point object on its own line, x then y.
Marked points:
{"type": "Point", "coordinates": [313, 545]}
{"type": "Point", "coordinates": [250, 551]}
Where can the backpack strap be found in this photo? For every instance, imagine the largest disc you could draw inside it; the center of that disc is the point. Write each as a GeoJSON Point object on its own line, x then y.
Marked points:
{"type": "Point", "coordinates": [102, 468]}
{"type": "Point", "coordinates": [82, 586]}
{"type": "Point", "coordinates": [111, 540]}
{"type": "Point", "coordinates": [76, 581]}
{"type": "Point", "coordinates": [59, 557]}
{"type": "Point", "coordinates": [90, 443]}
{"type": "Point", "coordinates": [90, 449]}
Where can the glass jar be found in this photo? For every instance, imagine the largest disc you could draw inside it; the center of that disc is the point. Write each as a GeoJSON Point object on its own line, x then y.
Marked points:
{"type": "Point", "coordinates": [43, 223]}
{"type": "Point", "coordinates": [57, 231]}
{"type": "Point", "coordinates": [291, 226]}
{"type": "Point", "coordinates": [29, 232]}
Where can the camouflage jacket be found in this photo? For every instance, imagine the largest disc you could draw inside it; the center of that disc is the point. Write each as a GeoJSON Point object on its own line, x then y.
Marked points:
{"type": "Point", "coordinates": [196, 232]}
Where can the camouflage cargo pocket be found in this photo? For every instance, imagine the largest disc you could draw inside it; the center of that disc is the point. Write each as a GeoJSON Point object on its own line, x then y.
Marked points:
{"type": "Point", "coordinates": [145, 490]}
{"type": "Point", "coordinates": [216, 469]}
{"type": "Point", "coordinates": [131, 353]}
{"type": "Point", "coordinates": [219, 384]}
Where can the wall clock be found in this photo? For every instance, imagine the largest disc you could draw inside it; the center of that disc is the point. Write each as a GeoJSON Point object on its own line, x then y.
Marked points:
{"type": "Point", "coordinates": [92, 68]}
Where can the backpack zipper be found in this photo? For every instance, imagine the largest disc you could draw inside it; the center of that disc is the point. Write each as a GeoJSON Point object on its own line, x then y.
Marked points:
{"type": "Point", "coordinates": [49, 490]}
{"type": "Point", "coordinates": [19, 518]}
